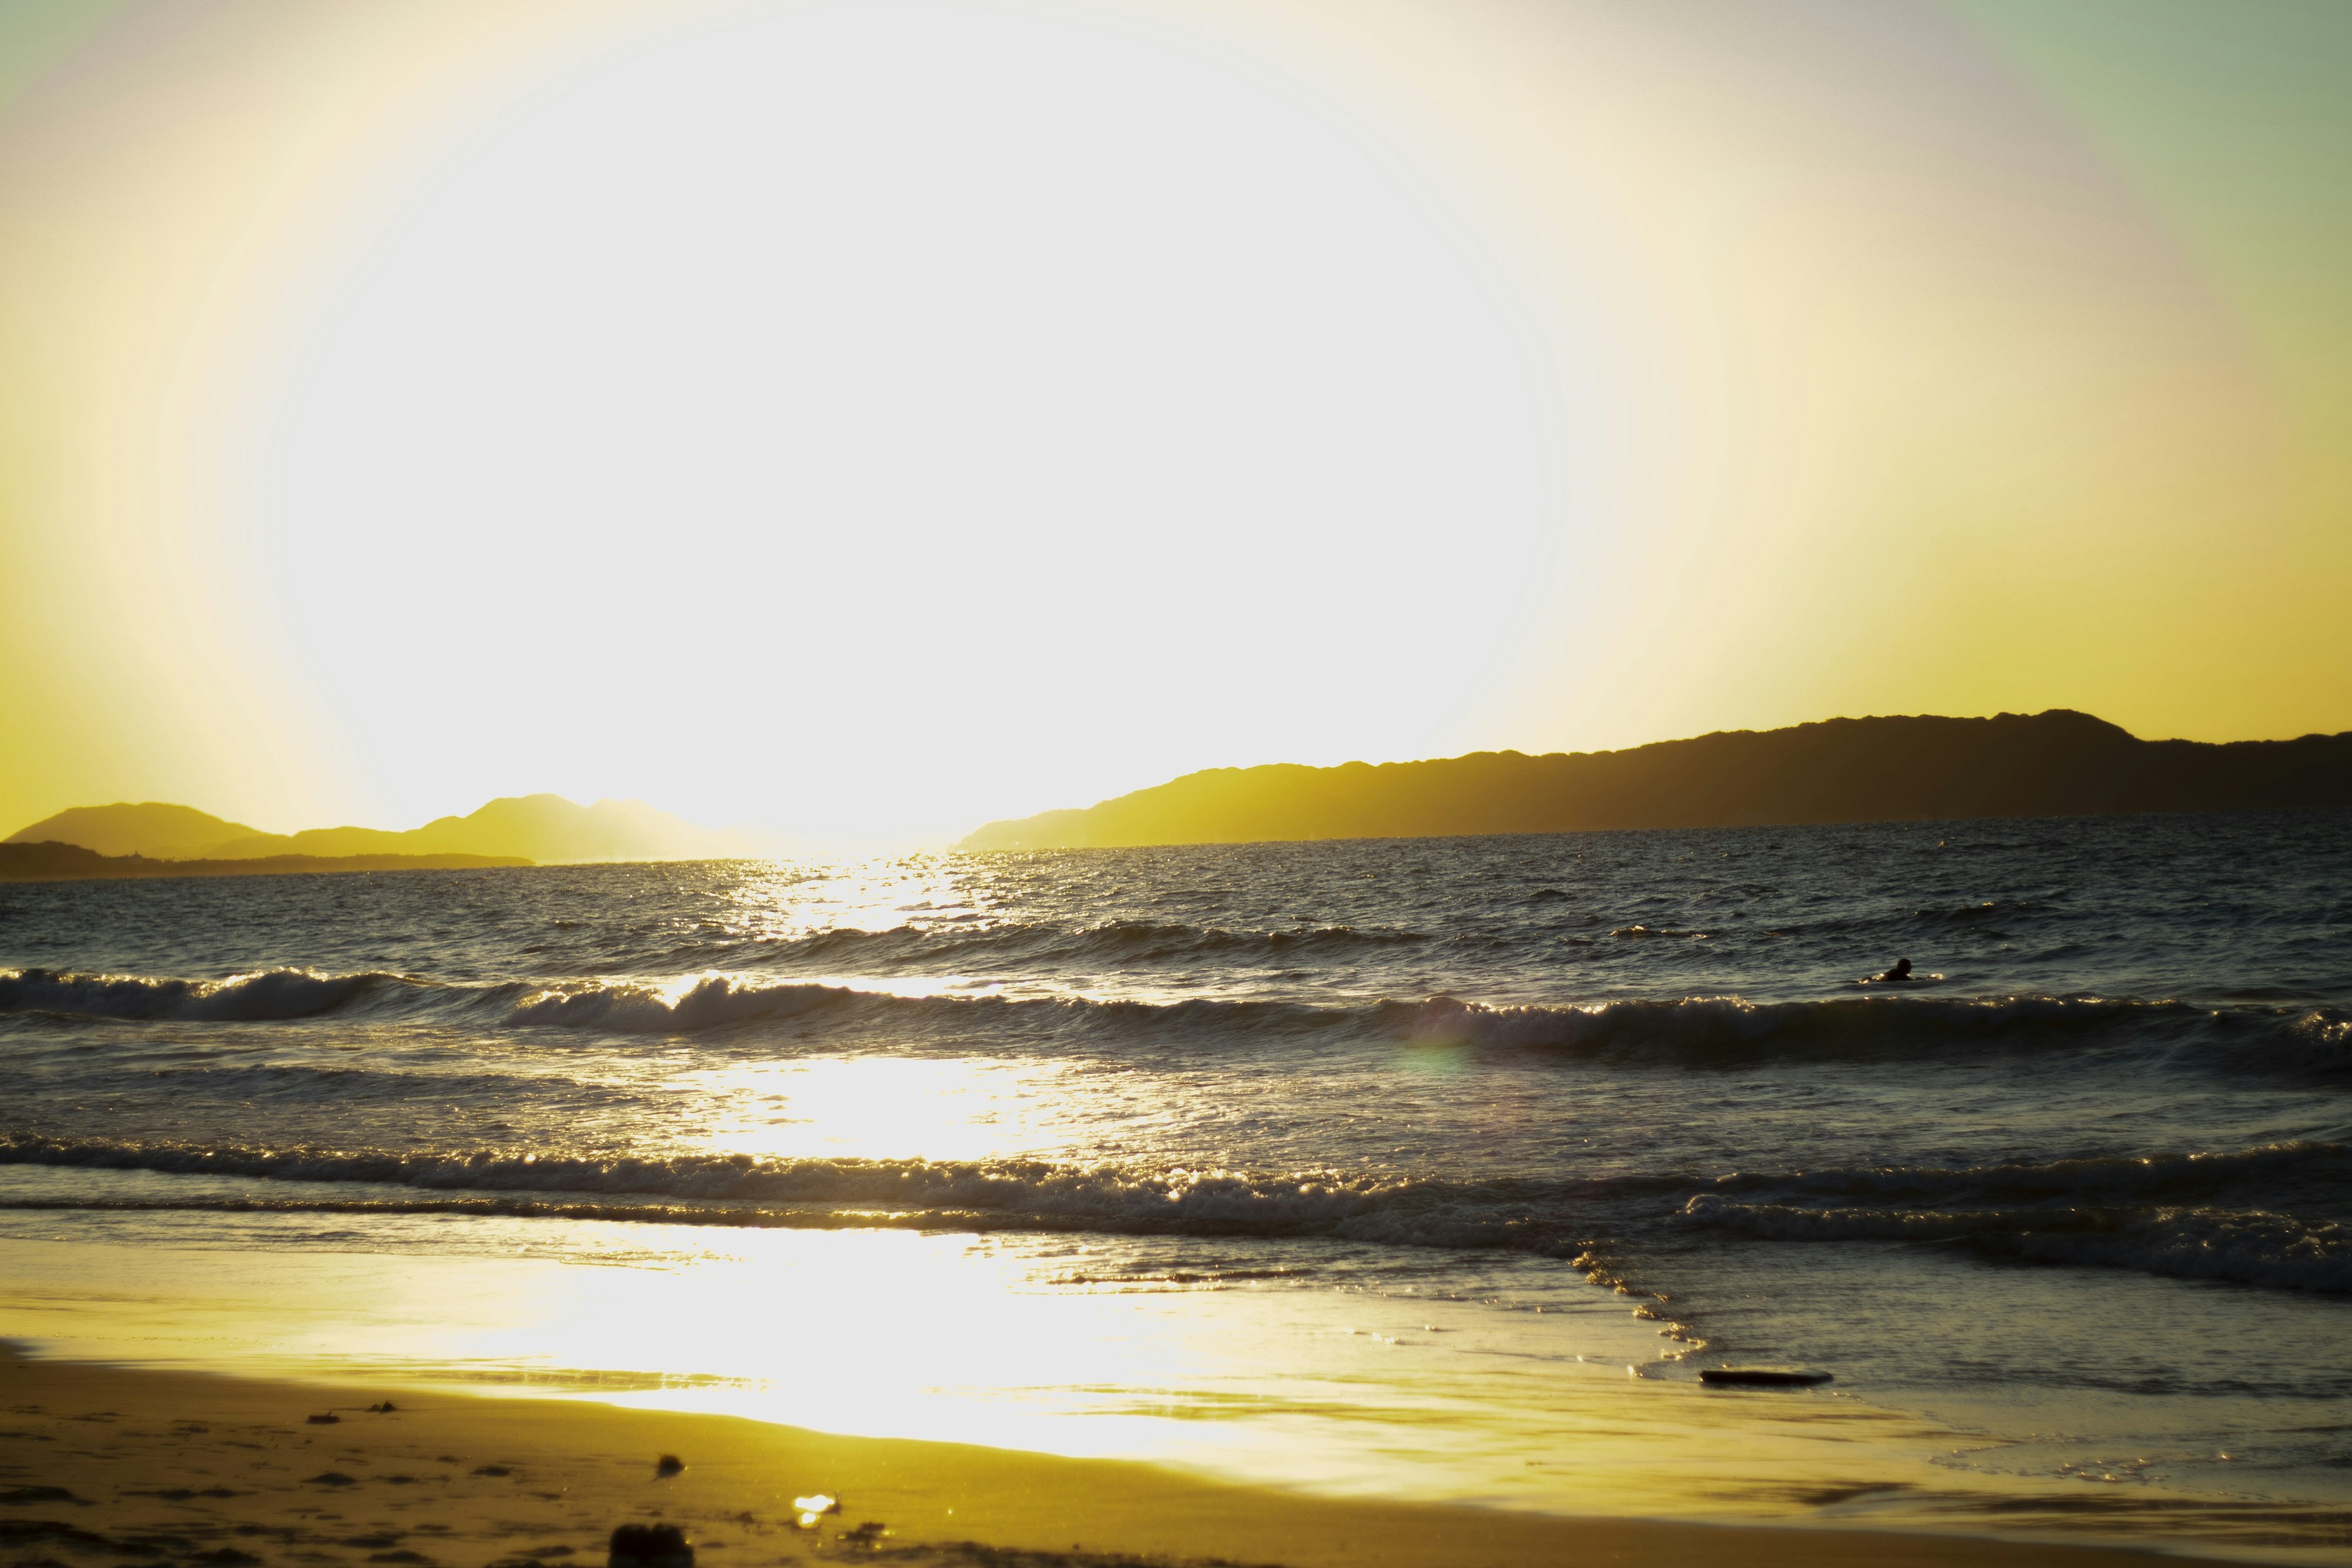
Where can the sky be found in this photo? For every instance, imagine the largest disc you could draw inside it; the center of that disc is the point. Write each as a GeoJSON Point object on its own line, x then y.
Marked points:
{"type": "Point", "coordinates": [863, 418]}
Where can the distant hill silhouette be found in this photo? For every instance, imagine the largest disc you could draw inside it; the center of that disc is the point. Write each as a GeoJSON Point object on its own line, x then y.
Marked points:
{"type": "Point", "coordinates": [55, 862]}
{"type": "Point", "coordinates": [168, 831]}
{"type": "Point", "coordinates": [546, 828]}
{"type": "Point", "coordinates": [2058, 763]}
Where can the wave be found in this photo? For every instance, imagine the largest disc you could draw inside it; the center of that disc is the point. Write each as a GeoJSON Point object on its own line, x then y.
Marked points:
{"type": "Point", "coordinates": [2314, 1039]}
{"type": "Point", "coordinates": [2195, 1215]}
{"type": "Point", "coordinates": [2283, 1037]}
{"type": "Point", "coordinates": [265, 995]}
{"type": "Point", "coordinates": [1475, 1232]}
{"type": "Point", "coordinates": [2203, 1215]}
{"type": "Point", "coordinates": [2276, 1171]}
{"type": "Point", "coordinates": [707, 1189]}
{"type": "Point", "coordinates": [720, 1001]}
{"type": "Point", "coordinates": [694, 1005]}
{"type": "Point", "coordinates": [709, 1003]}
{"type": "Point", "coordinates": [1028, 946]}
{"type": "Point", "coordinates": [2246, 1247]}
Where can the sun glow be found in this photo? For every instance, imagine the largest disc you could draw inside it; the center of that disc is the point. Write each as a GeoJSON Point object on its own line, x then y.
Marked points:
{"type": "Point", "coordinates": [865, 420]}
{"type": "Point", "coordinates": [818, 348]}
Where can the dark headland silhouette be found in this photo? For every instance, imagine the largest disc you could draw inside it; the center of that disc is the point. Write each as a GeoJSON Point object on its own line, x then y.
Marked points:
{"type": "Point", "coordinates": [157, 839]}
{"type": "Point", "coordinates": [2058, 763]}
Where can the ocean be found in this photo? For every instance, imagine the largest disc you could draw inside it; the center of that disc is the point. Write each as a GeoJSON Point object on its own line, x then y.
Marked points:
{"type": "Point", "coordinates": [1423, 1168]}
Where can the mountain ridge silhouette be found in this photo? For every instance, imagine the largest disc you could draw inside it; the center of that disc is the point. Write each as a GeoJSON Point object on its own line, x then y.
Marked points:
{"type": "Point", "coordinates": [2059, 762]}
{"type": "Point", "coordinates": [544, 828]}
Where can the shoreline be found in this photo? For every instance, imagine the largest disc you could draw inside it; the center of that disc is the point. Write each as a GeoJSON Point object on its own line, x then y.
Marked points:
{"type": "Point", "coordinates": [99, 1460]}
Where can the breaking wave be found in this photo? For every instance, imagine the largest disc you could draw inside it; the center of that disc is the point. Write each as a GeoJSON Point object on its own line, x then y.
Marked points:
{"type": "Point", "coordinates": [265, 995]}
{"type": "Point", "coordinates": [720, 1001]}
{"type": "Point", "coordinates": [2285, 1037]}
{"type": "Point", "coordinates": [739, 1189]}
{"type": "Point", "coordinates": [2213, 1216]}
{"type": "Point", "coordinates": [693, 1005]}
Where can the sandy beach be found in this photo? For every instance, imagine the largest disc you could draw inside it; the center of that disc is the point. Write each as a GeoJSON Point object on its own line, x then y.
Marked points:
{"type": "Point", "coordinates": [104, 1464]}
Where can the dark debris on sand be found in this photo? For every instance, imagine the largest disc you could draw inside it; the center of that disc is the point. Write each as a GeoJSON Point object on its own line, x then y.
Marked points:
{"type": "Point", "coordinates": [258, 1493]}
{"type": "Point", "coordinates": [650, 1546]}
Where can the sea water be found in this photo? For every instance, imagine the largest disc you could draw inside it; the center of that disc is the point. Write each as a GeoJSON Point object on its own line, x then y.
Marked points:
{"type": "Point", "coordinates": [1432, 1168]}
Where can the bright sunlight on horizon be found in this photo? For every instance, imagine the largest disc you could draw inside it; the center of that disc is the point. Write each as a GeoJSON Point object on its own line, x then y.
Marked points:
{"type": "Point", "coordinates": [866, 420]}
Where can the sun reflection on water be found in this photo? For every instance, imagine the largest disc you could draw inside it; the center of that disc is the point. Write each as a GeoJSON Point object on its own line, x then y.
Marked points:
{"type": "Point", "coordinates": [789, 900]}
{"type": "Point", "coordinates": [884, 1107]}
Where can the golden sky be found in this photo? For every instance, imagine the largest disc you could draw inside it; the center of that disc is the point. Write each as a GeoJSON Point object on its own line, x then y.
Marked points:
{"type": "Point", "coordinates": [867, 419]}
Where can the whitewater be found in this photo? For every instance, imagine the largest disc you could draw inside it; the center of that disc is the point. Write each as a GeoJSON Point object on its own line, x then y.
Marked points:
{"type": "Point", "coordinates": [2070, 1214]}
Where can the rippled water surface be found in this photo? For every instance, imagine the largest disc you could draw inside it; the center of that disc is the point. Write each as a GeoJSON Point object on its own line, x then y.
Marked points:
{"type": "Point", "coordinates": [2076, 1204]}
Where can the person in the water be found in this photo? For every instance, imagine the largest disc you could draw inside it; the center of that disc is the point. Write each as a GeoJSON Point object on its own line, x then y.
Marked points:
{"type": "Point", "coordinates": [1898, 975]}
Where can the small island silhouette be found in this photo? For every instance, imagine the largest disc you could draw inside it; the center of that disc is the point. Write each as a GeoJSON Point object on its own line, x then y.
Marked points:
{"type": "Point", "coordinates": [2055, 763]}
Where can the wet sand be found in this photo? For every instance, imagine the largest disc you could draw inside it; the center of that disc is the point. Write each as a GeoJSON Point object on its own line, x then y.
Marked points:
{"type": "Point", "coordinates": [107, 1465]}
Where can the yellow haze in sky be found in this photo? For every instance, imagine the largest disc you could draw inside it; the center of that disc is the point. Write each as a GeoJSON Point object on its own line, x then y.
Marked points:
{"type": "Point", "coordinates": [873, 419]}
